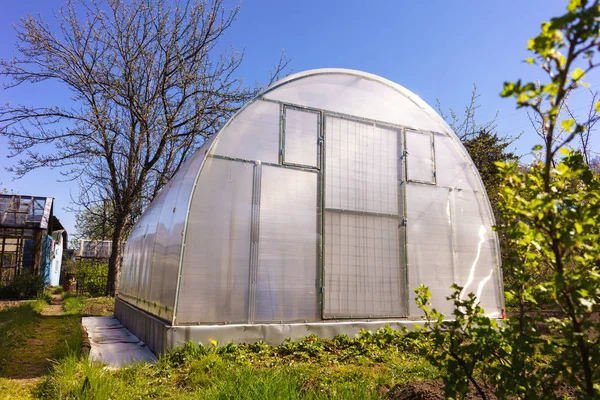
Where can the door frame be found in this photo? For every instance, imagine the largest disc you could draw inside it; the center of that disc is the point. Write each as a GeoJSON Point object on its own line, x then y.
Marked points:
{"type": "Point", "coordinates": [400, 216]}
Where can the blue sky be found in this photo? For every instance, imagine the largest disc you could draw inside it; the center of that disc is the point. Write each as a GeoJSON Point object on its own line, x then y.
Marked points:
{"type": "Point", "coordinates": [437, 49]}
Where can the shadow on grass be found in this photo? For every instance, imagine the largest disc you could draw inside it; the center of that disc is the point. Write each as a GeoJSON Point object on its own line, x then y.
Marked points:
{"type": "Point", "coordinates": [29, 341]}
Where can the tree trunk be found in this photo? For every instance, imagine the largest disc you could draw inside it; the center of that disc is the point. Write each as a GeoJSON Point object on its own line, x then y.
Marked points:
{"type": "Point", "coordinates": [114, 261]}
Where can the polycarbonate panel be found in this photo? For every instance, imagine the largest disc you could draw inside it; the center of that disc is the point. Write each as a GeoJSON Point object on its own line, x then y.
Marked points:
{"type": "Point", "coordinates": [130, 265]}
{"type": "Point", "coordinates": [475, 243]}
{"type": "Point", "coordinates": [151, 260]}
{"type": "Point", "coordinates": [214, 282]}
{"type": "Point", "coordinates": [362, 266]}
{"type": "Point", "coordinates": [301, 134]}
{"type": "Point", "coordinates": [452, 166]}
{"type": "Point", "coordinates": [167, 248]}
{"type": "Point", "coordinates": [420, 163]}
{"type": "Point", "coordinates": [360, 96]}
{"type": "Point", "coordinates": [361, 167]}
{"type": "Point", "coordinates": [146, 248]}
{"type": "Point", "coordinates": [253, 134]}
{"type": "Point", "coordinates": [287, 256]}
{"type": "Point", "coordinates": [429, 243]}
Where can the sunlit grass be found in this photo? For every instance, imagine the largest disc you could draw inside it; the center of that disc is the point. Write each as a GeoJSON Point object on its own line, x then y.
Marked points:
{"type": "Point", "coordinates": [364, 367]}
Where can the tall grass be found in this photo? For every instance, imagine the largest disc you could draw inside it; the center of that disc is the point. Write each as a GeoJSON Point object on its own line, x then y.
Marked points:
{"type": "Point", "coordinates": [16, 325]}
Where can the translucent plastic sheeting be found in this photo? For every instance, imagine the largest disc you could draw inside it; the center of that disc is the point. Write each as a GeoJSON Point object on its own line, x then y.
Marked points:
{"type": "Point", "coordinates": [145, 249]}
{"type": "Point", "coordinates": [167, 247]}
{"type": "Point", "coordinates": [287, 257]}
{"type": "Point", "coordinates": [429, 243]}
{"type": "Point", "coordinates": [420, 162]}
{"type": "Point", "coordinates": [453, 169]}
{"type": "Point", "coordinates": [475, 244]}
{"type": "Point", "coordinates": [351, 94]}
{"type": "Point", "coordinates": [253, 134]}
{"type": "Point", "coordinates": [301, 132]}
{"type": "Point", "coordinates": [361, 167]}
{"type": "Point", "coordinates": [130, 267]}
{"type": "Point", "coordinates": [152, 254]}
{"type": "Point", "coordinates": [362, 266]}
{"type": "Point", "coordinates": [214, 282]}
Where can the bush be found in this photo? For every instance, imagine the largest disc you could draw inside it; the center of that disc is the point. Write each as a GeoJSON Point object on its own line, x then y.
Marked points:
{"type": "Point", "coordinates": [92, 277]}
{"type": "Point", "coordinates": [27, 285]}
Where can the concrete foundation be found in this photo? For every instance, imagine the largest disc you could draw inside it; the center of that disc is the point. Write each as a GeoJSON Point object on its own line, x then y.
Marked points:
{"type": "Point", "coordinates": [160, 336]}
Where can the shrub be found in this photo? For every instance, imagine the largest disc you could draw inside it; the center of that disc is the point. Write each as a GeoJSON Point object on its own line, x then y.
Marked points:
{"type": "Point", "coordinates": [92, 277]}
{"type": "Point", "coordinates": [26, 285]}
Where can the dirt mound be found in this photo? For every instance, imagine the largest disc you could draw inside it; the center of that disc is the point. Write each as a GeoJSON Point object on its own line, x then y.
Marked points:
{"type": "Point", "coordinates": [426, 390]}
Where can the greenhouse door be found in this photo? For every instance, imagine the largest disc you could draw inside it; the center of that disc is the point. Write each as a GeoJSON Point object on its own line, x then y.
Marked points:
{"type": "Point", "coordinates": [364, 247]}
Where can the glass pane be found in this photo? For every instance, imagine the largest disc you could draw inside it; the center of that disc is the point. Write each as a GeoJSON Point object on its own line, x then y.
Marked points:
{"type": "Point", "coordinates": [301, 136]}
{"type": "Point", "coordinates": [420, 157]}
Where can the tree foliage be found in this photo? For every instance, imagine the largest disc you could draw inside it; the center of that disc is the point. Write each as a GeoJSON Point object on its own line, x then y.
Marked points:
{"type": "Point", "coordinates": [550, 220]}
{"type": "Point", "coordinates": [148, 81]}
{"type": "Point", "coordinates": [486, 149]}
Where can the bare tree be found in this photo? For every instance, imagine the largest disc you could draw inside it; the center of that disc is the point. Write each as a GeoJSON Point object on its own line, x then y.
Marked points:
{"type": "Point", "coordinates": [466, 126]}
{"type": "Point", "coordinates": [561, 136]}
{"type": "Point", "coordinates": [148, 85]}
{"type": "Point", "coordinates": [589, 121]}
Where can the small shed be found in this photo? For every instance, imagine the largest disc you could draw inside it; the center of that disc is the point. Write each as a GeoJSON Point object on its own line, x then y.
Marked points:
{"type": "Point", "coordinates": [315, 210]}
{"type": "Point", "coordinates": [31, 238]}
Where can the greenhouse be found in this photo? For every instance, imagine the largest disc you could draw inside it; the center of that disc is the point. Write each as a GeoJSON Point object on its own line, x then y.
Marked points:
{"type": "Point", "coordinates": [317, 209]}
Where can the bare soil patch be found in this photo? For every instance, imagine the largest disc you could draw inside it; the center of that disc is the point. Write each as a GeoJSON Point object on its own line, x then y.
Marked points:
{"type": "Point", "coordinates": [4, 304]}
{"type": "Point", "coordinates": [427, 390]}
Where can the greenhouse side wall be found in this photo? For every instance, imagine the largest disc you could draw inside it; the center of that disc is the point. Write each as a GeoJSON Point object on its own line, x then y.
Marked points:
{"type": "Point", "coordinates": [152, 256]}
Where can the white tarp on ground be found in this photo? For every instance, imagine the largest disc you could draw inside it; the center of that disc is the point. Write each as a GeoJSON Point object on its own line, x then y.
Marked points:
{"type": "Point", "coordinates": [111, 343]}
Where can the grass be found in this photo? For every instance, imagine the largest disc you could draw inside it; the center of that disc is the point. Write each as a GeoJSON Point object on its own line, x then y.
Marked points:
{"type": "Point", "coordinates": [99, 306]}
{"type": "Point", "coordinates": [28, 343]}
{"type": "Point", "coordinates": [74, 378]}
{"type": "Point", "coordinates": [365, 367]}
{"type": "Point", "coordinates": [57, 290]}
{"type": "Point", "coordinates": [16, 327]}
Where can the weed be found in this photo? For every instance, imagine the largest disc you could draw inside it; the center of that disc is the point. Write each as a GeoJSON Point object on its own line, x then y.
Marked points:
{"type": "Point", "coordinates": [311, 368]}
{"type": "Point", "coordinates": [57, 290]}
{"type": "Point", "coordinates": [98, 306]}
{"type": "Point", "coordinates": [72, 305]}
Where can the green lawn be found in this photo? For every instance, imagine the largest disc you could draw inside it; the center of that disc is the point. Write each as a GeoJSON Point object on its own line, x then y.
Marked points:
{"type": "Point", "coordinates": [40, 359]}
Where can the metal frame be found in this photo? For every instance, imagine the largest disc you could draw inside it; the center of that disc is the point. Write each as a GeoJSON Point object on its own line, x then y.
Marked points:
{"type": "Point", "coordinates": [402, 230]}
{"type": "Point", "coordinates": [401, 216]}
{"type": "Point", "coordinates": [403, 92]}
{"type": "Point", "coordinates": [432, 152]}
{"type": "Point", "coordinates": [244, 160]}
{"type": "Point", "coordinates": [283, 130]}
{"type": "Point", "coordinates": [337, 114]}
{"type": "Point", "coordinates": [415, 100]}
{"type": "Point", "coordinates": [321, 217]}
{"type": "Point", "coordinates": [254, 241]}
